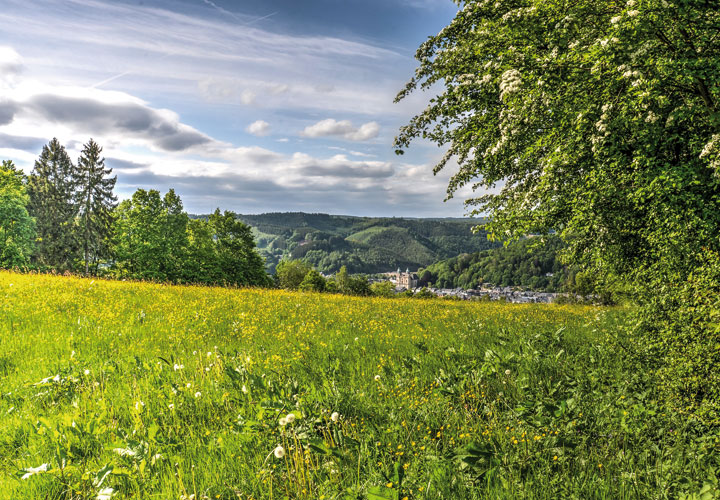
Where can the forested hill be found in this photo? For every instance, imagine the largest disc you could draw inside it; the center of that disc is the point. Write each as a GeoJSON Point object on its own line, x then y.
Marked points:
{"type": "Point", "coordinates": [528, 262]}
{"type": "Point", "coordinates": [363, 244]}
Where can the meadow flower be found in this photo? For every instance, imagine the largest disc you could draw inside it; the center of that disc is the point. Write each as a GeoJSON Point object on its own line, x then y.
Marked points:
{"type": "Point", "coordinates": [244, 389]}
{"type": "Point", "coordinates": [86, 372]}
{"type": "Point", "coordinates": [139, 405]}
{"type": "Point", "coordinates": [188, 385]}
{"type": "Point", "coordinates": [279, 452]}
{"type": "Point", "coordinates": [335, 416]}
{"type": "Point", "coordinates": [198, 394]}
{"type": "Point", "coordinates": [283, 422]}
{"type": "Point", "coordinates": [290, 418]}
{"type": "Point", "coordinates": [177, 367]}
{"type": "Point", "coordinates": [507, 372]}
{"type": "Point", "coordinates": [377, 378]}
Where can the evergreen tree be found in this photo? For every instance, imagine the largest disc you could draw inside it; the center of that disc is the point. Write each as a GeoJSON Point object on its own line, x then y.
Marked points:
{"type": "Point", "coordinates": [51, 188]}
{"type": "Point", "coordinates": [95, 201]}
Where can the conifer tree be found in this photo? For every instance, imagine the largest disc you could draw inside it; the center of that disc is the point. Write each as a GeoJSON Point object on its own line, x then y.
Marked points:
{"type": "Point", "coordinates": [95, 201]}
{"type": "Point", "coordinates": [51, 188]}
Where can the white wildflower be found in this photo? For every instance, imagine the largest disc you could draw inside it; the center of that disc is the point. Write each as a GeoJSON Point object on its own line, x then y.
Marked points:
{"type": "Point", "coordinates": [244, 389]}
{"type": "Point", "coordinates": [279, 452]}
{"type": "Point", "coordinates": [335, 416]}
{"type": "Point", "coordinates": [507, 372]}
{"type": "Point", "coordinates": [377, 378]}
{"type": "Point", "coordinates": [177, 367]}
{"type": "Point", "coordinates": [633, 13]}
{"type": "Point", "coordinates": [198, 394]}
{"type": "Point", "coordinates": [86, 372]}
{"type": "Point", "coordinates": [283, 422]}
{"type": "Point", "coordinates": [290, 418]}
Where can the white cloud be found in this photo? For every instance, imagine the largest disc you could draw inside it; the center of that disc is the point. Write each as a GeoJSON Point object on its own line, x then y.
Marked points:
{"type": "Point", "coordinates": [259, 128]}
{"type": "Point", "coordinates": [344, 129]}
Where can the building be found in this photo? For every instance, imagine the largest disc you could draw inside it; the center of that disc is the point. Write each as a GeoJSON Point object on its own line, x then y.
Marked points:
{"type": "Point", "coordinates": [406, 279]}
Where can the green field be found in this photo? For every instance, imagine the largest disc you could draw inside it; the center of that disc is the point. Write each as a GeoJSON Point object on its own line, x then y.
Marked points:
{"type": "Point", "coordinates": [149, 391]}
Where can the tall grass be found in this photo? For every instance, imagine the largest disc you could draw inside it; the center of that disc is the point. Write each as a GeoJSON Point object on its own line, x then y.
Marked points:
{"type": "Point", "coordinates": [129, 390]}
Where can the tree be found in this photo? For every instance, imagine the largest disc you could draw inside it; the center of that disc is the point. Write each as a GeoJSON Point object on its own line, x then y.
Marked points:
{"type": "Point", "coordinates": [598, 119]}
{"type": "Point", "coordinates": [291, 273]}
{"type": "Point", "coordinates": [383, 289]}
{"type": "Point", "coordinates": [51, 188]}
{"type": "Point", "coordinates": [238, 260]}
{"type": "Point", "coordinates": [313, 282]}
{"type": "Point", "coordinates": [150, 236]}
{"type": "Point", "coordinates": [17, 228]}
{"type": "Point", "coordinates": [95, 201]}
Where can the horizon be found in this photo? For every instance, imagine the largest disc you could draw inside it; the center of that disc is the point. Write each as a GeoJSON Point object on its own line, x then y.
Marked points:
{"type": "Point", "coordinates": [254, 107]}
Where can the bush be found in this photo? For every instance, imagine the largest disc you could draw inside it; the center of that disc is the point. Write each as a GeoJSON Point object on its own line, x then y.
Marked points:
{"type": "Point", "coordinates": [680, 331]}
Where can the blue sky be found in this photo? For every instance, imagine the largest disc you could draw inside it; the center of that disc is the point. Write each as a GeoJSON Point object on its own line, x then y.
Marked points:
{"type": "Point", "coordinates": [252, 106]}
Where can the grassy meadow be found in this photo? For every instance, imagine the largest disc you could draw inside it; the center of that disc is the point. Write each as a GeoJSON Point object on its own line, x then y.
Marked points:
{"type": "Point", "coordinates": [132, 390]}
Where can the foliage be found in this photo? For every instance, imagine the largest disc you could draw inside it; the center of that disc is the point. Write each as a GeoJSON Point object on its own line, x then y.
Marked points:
{"type": "Point", "coordinates": [362, 244]}
{"type": "Point", "coordinates": [155, 239]}
{"type": "Point", "coordinates": [600, 120]}
{"type": "Point", "coordinates": [17, 228]}
{"type": "Point", "coordinates": [150, 236]}
{"type": "Point", "coordinates": [528, 262]}
{"type": "Point", "coordinates": [158, 391]}
{"type": "Point", "coordinates": [291, 273]}
{"type": "Point", "coordinates": [313, 282]}
{"type": "Point", "coordinates": [382, 289]}
{"type": "Point", "coordinates": [51, 188]}
{"type": "Point", "coordinates": [95, 201]}
{"type": "Point", "coordinates": [681, 332]}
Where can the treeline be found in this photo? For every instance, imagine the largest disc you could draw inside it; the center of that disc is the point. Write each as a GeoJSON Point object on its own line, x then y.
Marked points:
{"type": "Point", "coordinates": [528, 263]}
{"type": "Point", "coordinates": [65, 217]}
{"type": "Point", "coordinates": [362, 244]}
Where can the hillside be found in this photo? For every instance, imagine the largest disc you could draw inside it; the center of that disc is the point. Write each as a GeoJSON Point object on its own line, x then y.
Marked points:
{"type": "Point", "coordinates": [363, 244]}
{"type": "Point", "coordinates": [528, 263]}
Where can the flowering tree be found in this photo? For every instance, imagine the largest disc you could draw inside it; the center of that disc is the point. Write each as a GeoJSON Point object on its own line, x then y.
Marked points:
{"type": "Point", "coordinates": [596, 118]}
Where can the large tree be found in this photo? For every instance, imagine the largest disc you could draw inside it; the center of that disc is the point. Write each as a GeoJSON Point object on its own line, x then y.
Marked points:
{"type": "Point", "coordinates": [238, 260]}
{"type": "Point", "coordinates": [51, 188]}
{"type": "Point", "coordinates": [150, 236]}
{"type": "Point", "coordinates": [598, 119]}
{"type": "Point", "coordinates": [17, 228]}
{"type": "Point", "coordinates": [95, 201]}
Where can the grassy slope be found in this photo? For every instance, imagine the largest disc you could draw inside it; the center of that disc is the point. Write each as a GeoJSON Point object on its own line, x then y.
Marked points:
{"type": "Point", "coordinates": [569, 419]}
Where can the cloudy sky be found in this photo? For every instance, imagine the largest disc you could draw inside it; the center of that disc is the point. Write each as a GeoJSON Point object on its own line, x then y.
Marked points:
{"type": "Point", "coordinates": [249, 105]}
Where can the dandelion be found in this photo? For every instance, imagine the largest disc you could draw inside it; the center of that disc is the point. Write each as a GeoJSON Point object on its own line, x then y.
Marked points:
{"type": "Point", "coordinates": [86, 372]}
{"type": "Point", "coordinates": [177, 367]}
{"type": "Point", "coordinates": [335, 416]}
{"type": "Point", "coordinates": [188, 385]}
{"type": "Point", "coordinates": [377, 378]}
{"type": "Point", "coordinates": [244, 389]}
{"type": "Point", "coordinates": [198, 394]}
{"type": "Point", "coordinates": [279, 452]}
{"type": "Point", "coordinates": [290, 418]}
{"type": "Point", "coordinates": [283, 422]}
{"type": "Point", "coordinates": [507, 372]}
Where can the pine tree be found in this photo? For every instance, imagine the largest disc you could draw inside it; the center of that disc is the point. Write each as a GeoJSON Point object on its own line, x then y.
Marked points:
{"type": "Point", "coordinates": [95, 201]}
{"type": "Point", "coordinates": [51, 188]}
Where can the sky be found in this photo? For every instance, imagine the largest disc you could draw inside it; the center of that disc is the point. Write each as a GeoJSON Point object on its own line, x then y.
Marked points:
{"type": "Point", "coordinates": [250, 105]}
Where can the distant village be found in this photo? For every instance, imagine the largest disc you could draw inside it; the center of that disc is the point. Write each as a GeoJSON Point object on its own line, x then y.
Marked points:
{"type": "Point", "coordinates": [409, 281]}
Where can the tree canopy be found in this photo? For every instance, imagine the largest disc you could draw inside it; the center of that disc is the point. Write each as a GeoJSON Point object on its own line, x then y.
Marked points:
{"type": "Point", "coordinates": [598, 119]}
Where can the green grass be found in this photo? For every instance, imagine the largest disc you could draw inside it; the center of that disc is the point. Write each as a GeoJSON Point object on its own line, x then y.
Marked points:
{"type": "Point", "coordinates": [167, 392]}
